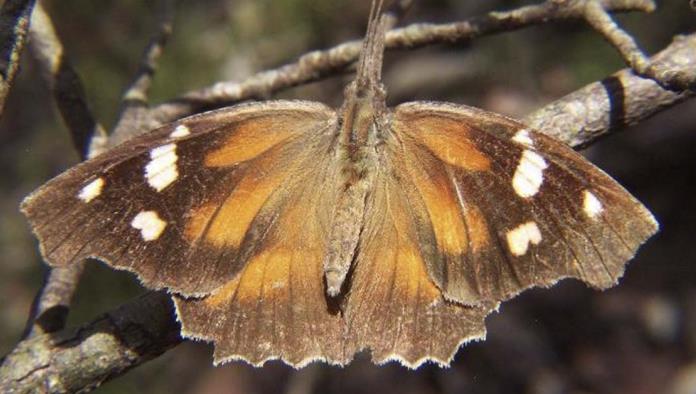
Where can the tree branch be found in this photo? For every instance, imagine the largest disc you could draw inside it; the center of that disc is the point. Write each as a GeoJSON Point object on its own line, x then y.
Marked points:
{"type": "Point", "coordinates": [87, 134]}
{"type": "Point", "coordinates": [603, 23]}
{"type": "Point", "coordinates": [50, 308]}
{"type": "Point", "coordinates": [320, 64]}
{"type": "Point", "coordinates": [79, 360]}
{"type": "Point", "coordinates": [14, 23]}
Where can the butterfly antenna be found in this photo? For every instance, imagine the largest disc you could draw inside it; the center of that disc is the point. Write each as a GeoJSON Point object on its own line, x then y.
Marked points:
{"type": "Point", "coordinates": [369, 70]}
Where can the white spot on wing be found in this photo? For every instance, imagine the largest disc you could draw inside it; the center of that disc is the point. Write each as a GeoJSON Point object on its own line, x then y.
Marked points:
{"type": "Point", "coordinates": [149, 224]}
{"type": "Point", "coordinates": [523, 137]}
{"type": "Point", "coordinates": [180, 131]}
{"type": "Point", "coordinates": [591, 204]}
{"type": "Point", "coordinates": [161, 171]}
{"type": "Point", "coordinates": [529, 174]}
{"type": "Point", "coordinates": [92, 190]}
{"type": "Point", "coordinates": [520, 237]}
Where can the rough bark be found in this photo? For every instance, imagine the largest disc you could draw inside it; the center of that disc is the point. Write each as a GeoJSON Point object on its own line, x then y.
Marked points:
{"type": "Point", "coordinates": [80, 359]}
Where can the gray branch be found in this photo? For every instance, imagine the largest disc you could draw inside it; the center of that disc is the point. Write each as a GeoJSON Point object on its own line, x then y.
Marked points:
{"type": "Point", "coordinates": [80, 359]}
{"type": "Point", "coordinates": [14, 23]}
{"type": "Point", "coordinates": [50, 307]}
{"type": "Point", "coordinates": [619, 100]}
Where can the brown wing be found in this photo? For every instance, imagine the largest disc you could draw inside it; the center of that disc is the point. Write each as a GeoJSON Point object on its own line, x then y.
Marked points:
{"type": "Point", "coordinates": [276, 307]}
{"type": "Point", "coordinates": [507, 208]}
{"type": "Point", "coordinates": [185, 205]}
{"type": "Point", "coordinates": [393, 307]}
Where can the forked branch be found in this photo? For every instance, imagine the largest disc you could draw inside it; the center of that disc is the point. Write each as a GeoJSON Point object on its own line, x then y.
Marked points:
{"type": "Point", "coordinates": [602, 22]}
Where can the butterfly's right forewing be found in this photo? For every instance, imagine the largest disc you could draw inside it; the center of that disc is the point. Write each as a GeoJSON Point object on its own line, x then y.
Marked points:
{"type": "Point", "coordinates": [181, 206]}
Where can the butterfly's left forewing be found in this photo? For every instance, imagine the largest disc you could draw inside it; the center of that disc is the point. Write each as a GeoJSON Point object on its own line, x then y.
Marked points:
{"type": "Point", "coordinates": [510, 208]}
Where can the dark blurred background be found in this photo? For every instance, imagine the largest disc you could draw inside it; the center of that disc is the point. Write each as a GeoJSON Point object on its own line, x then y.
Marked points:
{"type": "Point", "coordinates": [639, 337]}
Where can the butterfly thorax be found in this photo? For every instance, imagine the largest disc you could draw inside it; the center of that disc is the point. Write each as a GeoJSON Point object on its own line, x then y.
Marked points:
{"type": "Point", "coordinates": [359, 131]}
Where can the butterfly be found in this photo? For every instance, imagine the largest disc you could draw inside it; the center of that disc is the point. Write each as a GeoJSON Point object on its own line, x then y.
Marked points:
{"type": "Point", "coordinates": [290, 230]}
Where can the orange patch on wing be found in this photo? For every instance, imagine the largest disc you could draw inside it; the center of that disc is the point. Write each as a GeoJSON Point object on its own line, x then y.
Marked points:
{"type": "Point", "coordinates": [447, 139]}
{"type": "Point", "coordinates": [443, 208]}
{"type": "Point", "coordinates": [267, 275]}
{"type": "Point", "coordinates": [231, 222]}
{"type": "Point", "coordinates": [253, 137]}
{"type": "Point", "coordinates": [197, 221]}
{"type": "Point", "coordinates": [399, 258]}
{"type": "Point", "coordinates": [478, 228]}
{"type": "Point", "coordinates": [222, 294]}
{"type": "Point", "coordinates": [412, 280]}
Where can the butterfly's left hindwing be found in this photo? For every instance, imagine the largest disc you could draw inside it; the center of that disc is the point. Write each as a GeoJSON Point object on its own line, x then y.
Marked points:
{"type": "Point", "coordinates": [177, 205]}
{"type": "Point", "coordinates": [510, 208]}
{"type": "Point", "coordinates": [276, 307]}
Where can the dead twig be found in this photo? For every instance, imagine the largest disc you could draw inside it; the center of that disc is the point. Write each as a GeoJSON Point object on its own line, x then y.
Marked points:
{"type": "Point", "coordinates": [14, 23]}
{"type": "Point", "coordinates": [135, 97]}
{"type": "Point", "coordinates": [600, 20]}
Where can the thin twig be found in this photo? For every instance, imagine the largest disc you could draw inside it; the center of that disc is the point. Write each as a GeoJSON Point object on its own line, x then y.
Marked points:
{"type": "Point", "coordinates": [14, 23]}
{"type": "Point", "coordinates": [50, 307]}
{"type": "Point", "coordinates": [573, 118]}
{"type": "Point", "coordinates": [320, 64]}
{"type": "Point", "coordinates": [139, 88]}
{"type": "Point", "coordinates": [597, 17]}
{"type": "Point", "coordinates": [140, 119]}
{"type": "Point", "coordinates": [87, 134]}
{"type": "Point", "coordinates": [135, 96]}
